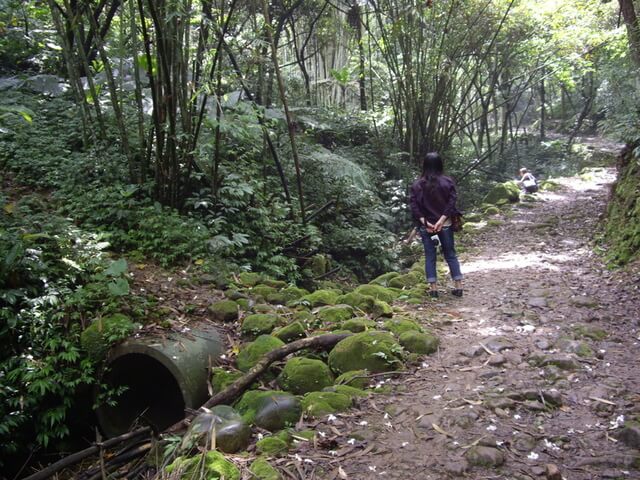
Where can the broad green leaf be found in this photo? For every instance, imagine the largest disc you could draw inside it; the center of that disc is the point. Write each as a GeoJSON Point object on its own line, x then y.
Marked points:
{"type": "Point", "coordinates": [117, 268]}
{"type": "Point", "coordinates": [118, 287]}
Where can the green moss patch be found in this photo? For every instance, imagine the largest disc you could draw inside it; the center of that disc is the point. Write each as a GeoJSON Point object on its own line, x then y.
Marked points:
{"type": "Point", "coordinates": [291, 332]}
{"type": "Point", "coordinates": [357, 325]}
{"type": "Point", "coordinates": [399, 325]}
{"type": "Point", "coordinates": [320, 298]}
{"type": "Point", "coordinates": [366, 303]}
{"type": "Point", "coordinates": [260, 323]}
{"type": "Point", "coordinates": [317, 404]}
{"type": "Point", "coordinates": [272, 446]}
{"type": "Point", "coordinates": [405, 281]}
{"type": "Point", "coordinates": [98, 337]}
{"type": "Point", "coordinates": [591, 331]}
{"type": "Point", "coordinates": [249, 279]}
{"type": "Point", "coordinates": [262, 470]}
{"type": "Point", "coordinates": [384, 279]}
{"type": "Point", "coordinates": [301, 375]}
{"type": "Point", "coordinates": [419, 342]}
{"type": "Point", "coordinates": [352, 392]}
{"type": "Point", "coordinates": [272, 410]}
{"type": "Point", "coordinates": [507, 192]}
{"type": "Point", "coordinates": [221, 378]}
{"type": "Point", "coordinates": [252, 352]}
{"type": "Point", "coordinates": [354, 378]}
{"type": "Point", "coordinates": [373, 351]}
{"type": "Point", "coordinates": [377, 291]}
{"type": "Point", "coordinates": [211, 465]}
{"type": "Point", "coordinates": [335, 314]}
{"type": "Point", "coordinates": [224, 311]}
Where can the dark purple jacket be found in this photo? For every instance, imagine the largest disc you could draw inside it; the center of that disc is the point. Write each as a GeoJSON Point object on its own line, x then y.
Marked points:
{"type": "Point", "coordinates": [432, 205]}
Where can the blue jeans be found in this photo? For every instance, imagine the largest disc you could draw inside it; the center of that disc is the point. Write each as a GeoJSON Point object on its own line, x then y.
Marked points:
{"type": "Point", "coordinates": [448, 249]}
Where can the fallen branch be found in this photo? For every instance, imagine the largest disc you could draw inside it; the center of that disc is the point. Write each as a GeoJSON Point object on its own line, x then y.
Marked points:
{"type": "Point", "coordinates": [87, 452]}
{"type": "Point", "coordinates": [236, 388]}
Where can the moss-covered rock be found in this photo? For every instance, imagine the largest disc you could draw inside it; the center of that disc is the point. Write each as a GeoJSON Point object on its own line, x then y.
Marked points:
{"type": "Point", "coordinates": [320, 298]}
{"type": "Point", "coordinates": [291, 332]}
{"type": "Point", "coordinates": [373, 351]}
{"type": "Point", "coordinates": [352, 392]}
{"type": "Point", "coordinates": [277, 298]}
{"type": "Point", "coordinates": [249, 279]}
{"type": "Point", "coordinates": [272, 410]}
{"type": "Point", "coordinates": [591, 331]}
{"type": "Point", "coordinates": [301, 375]}
{"type": "Point", "coordinates": [399, 325]}
{"type": "Point", "coordinates": [305, 317]}
{"type": "Point", "coordinates": [260, 324]}
{"type": "Point", "coordinates": [103, 332]}
{"type": "Point", "coordinates": [384, 279]}
{"type": "Point", "coordinates": [231, 432]}
{"type": "Point", "coordinates": [407, 280]}
{"type": "Point", "coordinates": [549, 186]}
{"type": "Point", "coordinates": [354, 378]}
{"type": "Point", "coordinates": [419, 342]}
{"type": "Point", "coordinates": [293, 293]}
{"type": "Point", "coordinates": [377, 291]}
{"type": "Point", "coordinates": [335, 314]}
{"type": "Point", "coordinates": [357, 325]}
{"type": "Point", "coordinates": [262, 470]}
{"type": "Point", "coordinates": [366, 303]}
{"type": "Point", "coordinates": [317, 404]}
{"type": "Point", "coordinates": [262, 308]}
{"type": "Point", "coordinates": [492, 211]}
{"type": "Point", "coordinates": [271, 446]}
{"type": "Point", "coordinates": [262, 291]}
{"type": "Point", "coordinates": [278, 284]}
{"type": "Point", "coordinates": [252, 352]}
{"type": "Point", "coordinates": [221, 378]}
{"type": "Point", "coordinates": [507, 192]}
{"type": "Point", "coordinates": [211, 465]}
{"type": "Point", "coordinates": [224, 311]}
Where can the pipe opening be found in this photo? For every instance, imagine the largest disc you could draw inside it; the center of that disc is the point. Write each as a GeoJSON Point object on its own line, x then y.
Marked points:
{"type": "Point", "coordinates": [152, 397]}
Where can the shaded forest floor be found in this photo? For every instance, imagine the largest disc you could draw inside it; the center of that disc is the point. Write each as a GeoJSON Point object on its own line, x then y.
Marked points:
{"type": "Point", "coordinates": [537, 362]}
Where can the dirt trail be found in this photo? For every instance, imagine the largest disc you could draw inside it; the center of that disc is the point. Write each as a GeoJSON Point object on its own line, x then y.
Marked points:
{"type": "Point", "coordinates": [508, 375]}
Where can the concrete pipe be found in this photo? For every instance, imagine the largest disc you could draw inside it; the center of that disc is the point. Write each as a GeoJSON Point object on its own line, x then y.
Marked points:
{"type": "Point", "coordinates": [160, 376]}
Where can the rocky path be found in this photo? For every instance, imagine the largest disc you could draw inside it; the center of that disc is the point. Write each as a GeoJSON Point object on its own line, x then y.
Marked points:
{"type": "Point", "coordinates": [537, 371]}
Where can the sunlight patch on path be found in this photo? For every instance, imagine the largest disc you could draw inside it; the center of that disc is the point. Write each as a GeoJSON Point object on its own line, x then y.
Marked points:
{"type": "Point", "coordinates": [521, 261]}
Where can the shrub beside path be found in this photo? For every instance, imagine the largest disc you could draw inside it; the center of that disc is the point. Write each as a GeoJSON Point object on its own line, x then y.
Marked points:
{"type": "Point", "coordinates": [536, 375]}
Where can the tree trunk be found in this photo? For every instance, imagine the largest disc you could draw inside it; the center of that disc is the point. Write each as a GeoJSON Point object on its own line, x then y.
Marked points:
{"type": "Point", "coordinates": [631, 21]}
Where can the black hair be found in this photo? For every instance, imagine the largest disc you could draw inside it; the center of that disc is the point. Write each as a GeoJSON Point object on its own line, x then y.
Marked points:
{"type": "Point", "coordinates": [432, 167]}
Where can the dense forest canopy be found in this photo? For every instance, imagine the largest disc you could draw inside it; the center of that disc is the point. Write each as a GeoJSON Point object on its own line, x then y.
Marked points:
{"type": "Point", "coordinates": [275, 136]}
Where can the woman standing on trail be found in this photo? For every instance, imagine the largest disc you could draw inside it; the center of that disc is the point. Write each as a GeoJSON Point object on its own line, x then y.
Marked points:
{"type": "Point", "coordinates": [433, 203]}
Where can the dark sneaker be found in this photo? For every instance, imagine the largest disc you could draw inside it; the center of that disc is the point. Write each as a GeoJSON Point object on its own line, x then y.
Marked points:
{"type": "Point", "coordinates": [457, 292]}
{"type": "Point", "coordinates": [433, 293]}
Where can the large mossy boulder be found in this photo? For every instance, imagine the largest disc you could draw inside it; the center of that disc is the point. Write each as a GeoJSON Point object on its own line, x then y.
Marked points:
{"type": "Point", "coordinates": [317, 404]}
{"type": "Point", "coordinates": [419, 342]}
{"type": "Point", "coordinates": [377, 291]}
{"type": "Point", "coordinates": [399, 325]}
{"type": "Point", "coordinates": [334, 314]}
{"type": "Point", "coordinates": [260, 324]}
{"type": "Point", "coordinates": [373, 351]}
{"type": "Point", "coordinates": [98, 337]}
{"type": "Point", "coordinates": [293, 293]}
{"type": "Point", "coordinates": [211, 465]}
{"type": "Point", "coordinates": [252, 352]}
{"type": "Point", "coordinates": [272, 410]}
{"type": "Point", "coordinates": [232, 433]}
{"type": "Point", "coordinates": [289, 333]}
{"type": "Point", "coordinates": [367, 303]}
{"type": "Point", "coordinates": [224, 311]}
{"type": "Point", "coordinates": [301, 375]}
{"type": "Point", "coordinates": [383, 280]}
{"type": "Point", "coordinates": [507, 192]}
{"type": "Point", "coordinates": [320, 298]}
